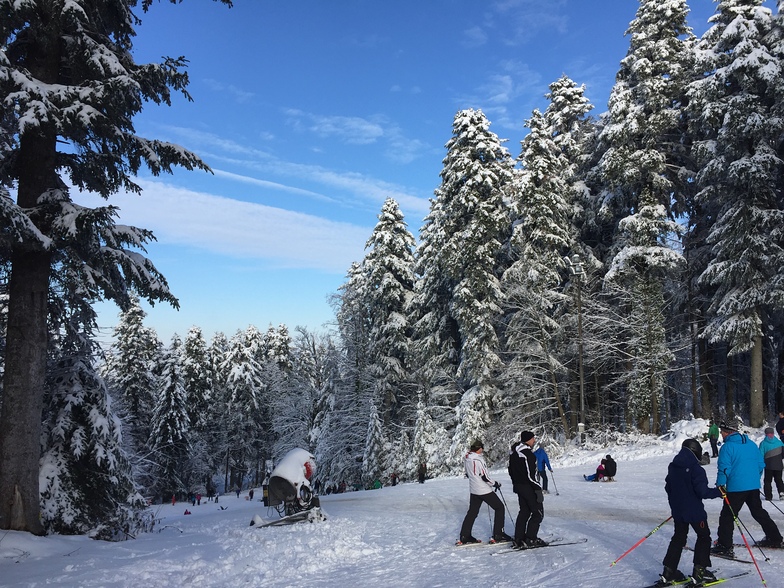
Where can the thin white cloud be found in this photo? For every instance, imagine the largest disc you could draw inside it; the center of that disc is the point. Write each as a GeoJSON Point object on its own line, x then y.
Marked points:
{"type": "Point", "coordinates": [238, 94]}
{"type": "Point", "coordinates": [354, 190]}
{"type": "Point", "coordinates": [237, 229]}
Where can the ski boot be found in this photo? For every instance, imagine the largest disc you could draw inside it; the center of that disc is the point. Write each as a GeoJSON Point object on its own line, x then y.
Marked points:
{"type": "Point", "coordinates": [468, 540]}
{"type": "Point", "coordinates": [701, 575]}
{"type": "Point", "coordinates": [536, 542]}
{"type": "Point", "coordinates": [671, 576]}
{"type": "Point", "coordinates": [722, 550]}
{"type": "Point", "coordinates": [501, 538]}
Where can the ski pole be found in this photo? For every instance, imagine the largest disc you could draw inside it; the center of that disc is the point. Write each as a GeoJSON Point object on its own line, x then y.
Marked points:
{"type": "Point", "coordinates": [633, 547]}
{"type": "Point", "coordinates": [738, 524]}
{"type": "Point", "coordinates": [772, 504]}
{"type": "Point", "coordinates": [552, 475]}
{"type": "Point", "coordinates": [507, 507]}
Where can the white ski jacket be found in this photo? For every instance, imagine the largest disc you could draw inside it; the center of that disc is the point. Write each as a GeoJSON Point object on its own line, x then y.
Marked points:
{"type": "Point", "coordinates": [476, 470]}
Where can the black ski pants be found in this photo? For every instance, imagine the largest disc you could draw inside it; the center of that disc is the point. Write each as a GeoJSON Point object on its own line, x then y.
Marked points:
{"type": "Point", "coordinates": [751, 498]}
{"type": "Point", "coordinates": [678, 542]}
{"type": "Point", "coordinates": [531, 513]}
{"type": "Point", "coordinates": [770, 477]}
{"type": "Point", "coordinates": [474, 504]}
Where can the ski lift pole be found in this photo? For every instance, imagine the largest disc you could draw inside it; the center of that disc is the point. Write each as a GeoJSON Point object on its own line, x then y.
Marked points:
{"type": "Point", "coordinates": [636, 545]}
{"type": "Point", "coordinates": [738, 524]}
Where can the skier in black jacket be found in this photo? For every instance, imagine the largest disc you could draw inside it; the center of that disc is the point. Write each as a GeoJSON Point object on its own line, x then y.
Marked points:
{"type": "Point", "coordinates": [522, 471]}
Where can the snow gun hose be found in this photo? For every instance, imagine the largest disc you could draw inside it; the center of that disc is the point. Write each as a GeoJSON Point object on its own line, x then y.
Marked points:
{"type": "Point", "coordinates": [738, 524]}
{"type": "Point", "coordinates": [636, 545]}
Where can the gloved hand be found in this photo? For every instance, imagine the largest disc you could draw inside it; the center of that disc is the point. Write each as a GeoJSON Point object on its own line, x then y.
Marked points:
{"type": "Point", "coordinates": [496, 485]}
{"type": "Point", "coordinates": [539, 496]}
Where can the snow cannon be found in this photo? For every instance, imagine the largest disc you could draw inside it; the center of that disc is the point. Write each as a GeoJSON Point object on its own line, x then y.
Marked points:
{"type": "Point", "coordinates": [289, 488]}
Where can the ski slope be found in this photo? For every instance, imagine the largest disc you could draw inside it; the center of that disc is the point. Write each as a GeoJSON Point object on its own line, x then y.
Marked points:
{"type": "Point", "coordinates": [401, 536]}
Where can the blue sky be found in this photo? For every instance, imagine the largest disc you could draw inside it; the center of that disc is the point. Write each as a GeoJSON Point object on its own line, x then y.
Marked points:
{"type": "Point", "coordinates": [312, 113]}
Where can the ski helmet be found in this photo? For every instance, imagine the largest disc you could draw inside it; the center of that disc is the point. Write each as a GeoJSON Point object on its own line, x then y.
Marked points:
{"type": "Point", "coordinates": [694, 446]}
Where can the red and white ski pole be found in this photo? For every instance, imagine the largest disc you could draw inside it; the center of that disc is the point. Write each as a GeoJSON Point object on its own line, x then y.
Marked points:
{"type": "Point", "coordinates": [633, 547]}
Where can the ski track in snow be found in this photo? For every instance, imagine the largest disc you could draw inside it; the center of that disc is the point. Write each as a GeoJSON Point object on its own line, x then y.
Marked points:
{"type": "Point", "coordinates": [397, 536]}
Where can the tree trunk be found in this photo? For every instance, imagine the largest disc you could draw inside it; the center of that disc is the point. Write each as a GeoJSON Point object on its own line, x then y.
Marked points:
{"type": "Point", "coordinates": [23, 392]}
{"type": "Point", "coordinates": [730, 389]}
{"type": "Point", "coordinates": [756, 410]}
{"type": "Point", "coordinates": [707, 384]}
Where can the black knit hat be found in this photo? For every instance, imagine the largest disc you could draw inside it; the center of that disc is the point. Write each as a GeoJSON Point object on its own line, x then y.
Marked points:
{"type": "Point", "coordinates": [526, 436]}
{"type": "Point", "coordinates": [477, 445]}
{"type": "Point", "coordinates": [726, 427]}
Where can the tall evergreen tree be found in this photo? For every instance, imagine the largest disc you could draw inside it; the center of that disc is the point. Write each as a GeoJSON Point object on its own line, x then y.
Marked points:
{"type": "Point", "coordinates": [641, 169]}
{"type": "Point", "coordinates": [130, 372]}
{"type": "Point", "coordinates": [71, 89]}
{"type": "Point", "coordinates": [389, 265]}
{"type": "Point", "coordinates": [169, 437]}
{"type": "Point", "coordinates": [738, 131]}
{"type": "Point", "coordinates": [88, 484]}
{"type": "Point", "coordinates": [458, 296]}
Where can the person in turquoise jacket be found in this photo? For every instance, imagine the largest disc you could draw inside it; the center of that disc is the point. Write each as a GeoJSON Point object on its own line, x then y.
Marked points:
{"type": "Point", "coordinates": [740, 466]}
{"type": "Point", "coordinates": [772, 450]}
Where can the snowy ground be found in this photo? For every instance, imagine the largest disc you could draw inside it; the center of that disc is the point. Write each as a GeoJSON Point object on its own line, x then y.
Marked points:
{"type": "Point", "coordinates": [400, 536]}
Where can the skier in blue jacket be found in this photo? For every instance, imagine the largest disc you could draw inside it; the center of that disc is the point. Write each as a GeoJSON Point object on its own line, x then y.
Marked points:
{"type": "Point", "coordinates": [542, 462]}
{"type": "Point", "coordinates": [687, 485]}
{"type": "Point", "coordinates": [740, 466]}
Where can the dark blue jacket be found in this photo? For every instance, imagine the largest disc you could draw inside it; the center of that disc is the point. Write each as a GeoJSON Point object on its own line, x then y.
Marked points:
{"type": "Point", "coordinates": [687, 485]}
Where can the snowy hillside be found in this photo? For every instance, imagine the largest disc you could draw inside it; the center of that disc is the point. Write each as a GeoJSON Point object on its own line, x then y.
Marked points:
{"type": "Point", "coordinates": [400, 536]}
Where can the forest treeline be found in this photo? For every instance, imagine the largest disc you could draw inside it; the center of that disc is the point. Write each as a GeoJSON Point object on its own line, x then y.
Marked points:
{"type": "Point", "coordinates": [614, 272]}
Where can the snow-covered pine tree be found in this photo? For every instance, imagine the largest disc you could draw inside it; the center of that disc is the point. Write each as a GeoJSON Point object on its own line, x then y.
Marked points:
{"type": "Point", "coordinates": [279, 347]}
{"type": "Point", "coordinates": [71, 89]}
{"type": "Point", "coordinates": [376, 448]}
{"type": "Point", "coordinates": [244, 404]}
{"type": "Point", "coordinates": [458, 297]}
{"type": "Point", "coordinates": [130, 375]}
{"type": "Point", "coordinates": [389, 266]}
{"type": "Point", "coordinates": [542, 235]}
{"type": "Point", "coordinates": [640, 266]}
{"type": "Point", "coordinates": [88, 484]}
{"type": "Point", "coordinates": [431, 445]}
{"type": "Point", "coordinates": [169, 437]}
{"type": "Point", "coordinates": [736, 110]}
{"type": "Point", "coordinates": [641, 169]}
{"type": "Point", "coordinates": [196, 378]}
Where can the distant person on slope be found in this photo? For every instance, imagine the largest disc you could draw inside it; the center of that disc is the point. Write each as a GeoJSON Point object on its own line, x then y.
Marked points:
{"type": "Point", "coordinates": [542, 465]}
{"type": "Point", "coordinates": [740, 466]}
{"type": "Point", "coordinates": [687, 485]}
{"type": "Point", "coordinates": [522, 470]}
{"type": "Point", "coordinates": [481, 488]}
{"type": "Point", "coordinates": [772, 450]}
{"type": "Point", "coordinates": [610, 468]}
{"type": "Point", "coordinates": [713, 437]}
{"type": "Point", "coordinates": [597, 476]}
{"type": "Point", "coordinates": [780, 425]}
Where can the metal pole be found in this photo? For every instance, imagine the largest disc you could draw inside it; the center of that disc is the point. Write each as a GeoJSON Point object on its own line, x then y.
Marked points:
{"type": "Point", "coordinates": [580, 349]}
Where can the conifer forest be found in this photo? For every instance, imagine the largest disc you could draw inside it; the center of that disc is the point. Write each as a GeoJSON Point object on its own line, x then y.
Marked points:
{"type": "Point", "coordinates": [610, 273]}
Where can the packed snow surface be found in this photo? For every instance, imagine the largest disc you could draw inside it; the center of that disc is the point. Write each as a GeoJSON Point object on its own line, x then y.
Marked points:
{"type": "Point", "coordinates": [404, 536]}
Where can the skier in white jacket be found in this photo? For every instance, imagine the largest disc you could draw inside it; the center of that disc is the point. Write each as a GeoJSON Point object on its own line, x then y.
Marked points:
{"type": "Point", "coordinates": [481, 488]}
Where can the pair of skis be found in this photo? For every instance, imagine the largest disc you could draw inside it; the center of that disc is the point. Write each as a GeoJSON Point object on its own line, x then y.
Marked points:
{"type": "Point", "coordinates": [687, 582]}
{"type": "Point", "coordinates": [554, 543]}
